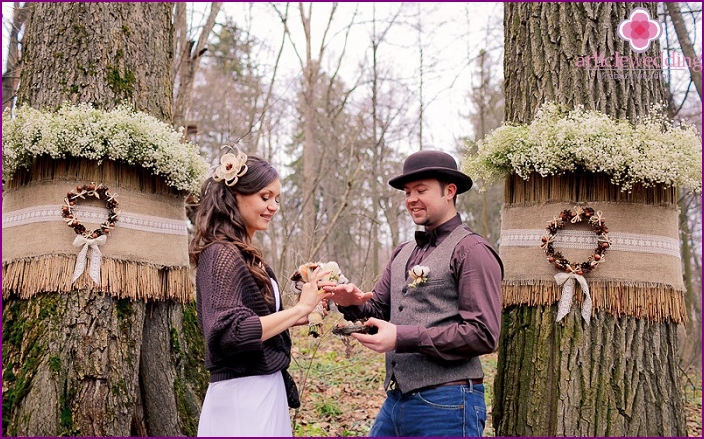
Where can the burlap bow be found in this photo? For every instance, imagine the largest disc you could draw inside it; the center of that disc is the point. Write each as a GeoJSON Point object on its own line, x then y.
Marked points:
{"type": "Point", "coordinates": [567, 280]}
{"type": "Point", "coordinates": [95, 257]}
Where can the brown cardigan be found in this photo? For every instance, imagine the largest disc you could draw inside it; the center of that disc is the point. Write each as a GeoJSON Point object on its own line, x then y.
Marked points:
{"type": "Point", "coordinates": [228, 304]}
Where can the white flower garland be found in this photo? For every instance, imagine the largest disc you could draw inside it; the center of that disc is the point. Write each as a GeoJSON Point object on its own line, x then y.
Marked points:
{"type": "Point", "coordinates": [121, 134]}
{"type": "Point", "coordinates": [653, 151]}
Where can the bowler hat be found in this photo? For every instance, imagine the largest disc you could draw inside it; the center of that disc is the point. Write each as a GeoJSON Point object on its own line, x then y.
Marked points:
{"type": "Point", "coordinates": [432, 164]}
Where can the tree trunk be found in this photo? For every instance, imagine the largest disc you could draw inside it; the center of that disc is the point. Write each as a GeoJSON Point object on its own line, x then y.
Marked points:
{"type": "Point", "coordinates": [618, 376]}
{"type": "Point", "coordinates": [87, 364]}
{"type": "Point", "coordinates": [543, 44]}
{"type": "Point", "coordinates": [100, 53]}
{"type": "Point", "coordinates": [189, 62]}
{"type": "Point", "coordinates": [311, 72]}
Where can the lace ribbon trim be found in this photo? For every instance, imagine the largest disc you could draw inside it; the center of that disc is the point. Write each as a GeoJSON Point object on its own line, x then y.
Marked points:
{"type": "Point", "coordinates": [585, 240]}
{"type": "Point", "coordinates": [128, 220]}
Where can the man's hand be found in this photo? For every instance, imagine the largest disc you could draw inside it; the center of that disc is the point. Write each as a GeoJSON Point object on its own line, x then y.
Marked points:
{"type": "Point", "coordinates": [347, 294]}
{"type": "Point", "coordinates": [383, 341]}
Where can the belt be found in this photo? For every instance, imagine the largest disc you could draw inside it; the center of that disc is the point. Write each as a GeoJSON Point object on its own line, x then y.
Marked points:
{"type": "Point", "coordinates": [456, 383]}
{"type": "Point", "coordinates": [394, 386]}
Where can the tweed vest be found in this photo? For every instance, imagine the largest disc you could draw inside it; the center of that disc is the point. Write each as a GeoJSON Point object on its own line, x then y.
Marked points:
{"type": "Point", "coordinates": [430, 304]}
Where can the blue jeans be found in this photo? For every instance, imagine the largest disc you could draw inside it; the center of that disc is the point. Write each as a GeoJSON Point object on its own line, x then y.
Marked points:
{"type": "Point", "coordinates": [458, 411]}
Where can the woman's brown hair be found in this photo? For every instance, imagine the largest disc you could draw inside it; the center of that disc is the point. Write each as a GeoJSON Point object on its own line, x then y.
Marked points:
{"type": "Point", "coordinates": [218, 219]}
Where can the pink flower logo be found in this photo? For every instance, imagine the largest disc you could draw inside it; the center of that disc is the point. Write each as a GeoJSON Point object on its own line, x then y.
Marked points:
{"type": "Point", "coordinates": [639, 30]}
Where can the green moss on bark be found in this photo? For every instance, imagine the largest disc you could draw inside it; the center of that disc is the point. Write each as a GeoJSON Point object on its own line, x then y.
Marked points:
{"type": "Point", "coordinates": [22, 350]}
{"type": "Point", "coordinates": [191, 380]}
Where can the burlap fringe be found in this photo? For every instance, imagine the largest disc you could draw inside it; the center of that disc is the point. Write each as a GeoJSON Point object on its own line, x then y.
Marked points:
{"type": "Point", "coordinates": [121, 279]}
{"type": "Point", "coordinates": [135, 177]}
{"type": "Point", "coordinates": [655, 302]}
{"type": "Point", "coordinates": [581, 186]}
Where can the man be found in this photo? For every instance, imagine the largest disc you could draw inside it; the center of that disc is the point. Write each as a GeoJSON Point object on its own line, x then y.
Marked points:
{"type": "Point", "coordinates": [432, 325]}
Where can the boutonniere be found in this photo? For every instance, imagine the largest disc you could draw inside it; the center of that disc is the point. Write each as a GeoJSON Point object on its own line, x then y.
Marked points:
{"type": "Point", "coordinates": [419, 274]}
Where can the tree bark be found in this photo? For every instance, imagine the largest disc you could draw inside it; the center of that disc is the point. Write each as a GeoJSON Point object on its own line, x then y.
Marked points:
{"type": "Point", "coordinates": [99, 53]}
{"type": "Point", "coordinates": [618, 376]}
{"type": "Point", "coordinates": [543, 44]}
{"type": "Point", "coordinates": [84, 364]}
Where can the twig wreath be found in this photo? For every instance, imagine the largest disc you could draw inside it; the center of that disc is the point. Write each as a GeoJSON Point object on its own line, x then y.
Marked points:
{"type": "Point", "coordinates": [574, 272]}
{"type": "Point", "coordinates": [89, 239]}
{"type": "Point", "coordinates": [90, 190]}
{"type": "Point", "coordinates": [575, 215]}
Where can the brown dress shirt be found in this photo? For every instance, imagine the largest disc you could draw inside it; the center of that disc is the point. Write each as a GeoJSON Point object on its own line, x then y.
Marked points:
{"type": "Point", "coordinates": [478, 272]}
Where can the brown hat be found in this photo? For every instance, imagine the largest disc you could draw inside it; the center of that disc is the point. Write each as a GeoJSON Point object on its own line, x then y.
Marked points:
{"type": "Point", "coordinates": [432, 164]}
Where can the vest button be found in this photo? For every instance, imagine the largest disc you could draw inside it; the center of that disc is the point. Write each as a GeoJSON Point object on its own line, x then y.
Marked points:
{"type": "Point", "coordinates": [404, 290]}
{"type": "Point", "coordinates": [400, 307]}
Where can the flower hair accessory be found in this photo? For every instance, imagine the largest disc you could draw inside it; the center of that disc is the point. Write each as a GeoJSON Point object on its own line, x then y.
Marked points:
{"type": "Point", "coordinates": [419, 274]}
{"type": "Point", "coordinates": [232, 166]}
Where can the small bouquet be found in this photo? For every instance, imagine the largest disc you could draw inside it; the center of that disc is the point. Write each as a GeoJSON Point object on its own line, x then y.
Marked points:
{"type": "Point", "coordinates": [419, 274]}
{"type": "Point", "coordinates": [357, 326]}
{"type": "Point", "coordinates": [302, 275]}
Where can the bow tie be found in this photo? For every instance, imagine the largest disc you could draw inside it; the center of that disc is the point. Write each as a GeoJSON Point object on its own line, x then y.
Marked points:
{"type": "Point", "coordinates": [428, 237]}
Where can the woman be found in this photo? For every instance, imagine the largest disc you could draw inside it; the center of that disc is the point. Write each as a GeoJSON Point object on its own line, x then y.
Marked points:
{"type": "Point", "coordinates": [238, 301]}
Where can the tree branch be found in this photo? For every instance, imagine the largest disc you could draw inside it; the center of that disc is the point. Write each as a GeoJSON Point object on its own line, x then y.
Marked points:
{"type": "Point", "coordinates": [685, 43]}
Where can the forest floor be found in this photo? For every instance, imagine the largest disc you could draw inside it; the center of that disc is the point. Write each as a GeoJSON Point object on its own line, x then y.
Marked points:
{"type": "Point", "coordinates": [341, 386]}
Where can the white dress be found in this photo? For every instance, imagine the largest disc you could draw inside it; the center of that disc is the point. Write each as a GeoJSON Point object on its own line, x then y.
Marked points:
{"type": "Point", "coordinates": [253, 406]}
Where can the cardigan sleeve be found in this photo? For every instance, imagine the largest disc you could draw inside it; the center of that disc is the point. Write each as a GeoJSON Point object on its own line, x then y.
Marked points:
{"type": "Point", "coordinates": [230, 327]}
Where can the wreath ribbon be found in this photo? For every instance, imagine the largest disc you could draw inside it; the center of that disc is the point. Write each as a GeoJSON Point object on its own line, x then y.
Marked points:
{"type": "Point", "coordinates": [567, 280]}
{"type": "Point", "coordinates": [95, 256]}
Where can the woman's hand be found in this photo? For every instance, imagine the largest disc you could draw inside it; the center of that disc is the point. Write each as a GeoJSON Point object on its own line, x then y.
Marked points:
{"type": "Point", "coordinates": [348, 294]}
{"type": "Point", "coordinates": [311, 293]}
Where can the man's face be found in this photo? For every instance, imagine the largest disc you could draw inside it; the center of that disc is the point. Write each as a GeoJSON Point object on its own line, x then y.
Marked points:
{"type": "Point", "coordinates": [428, 203]}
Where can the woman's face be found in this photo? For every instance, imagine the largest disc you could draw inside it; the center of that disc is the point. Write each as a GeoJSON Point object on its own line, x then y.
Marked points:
{"type": "Point", "coordinates": [258, 209]}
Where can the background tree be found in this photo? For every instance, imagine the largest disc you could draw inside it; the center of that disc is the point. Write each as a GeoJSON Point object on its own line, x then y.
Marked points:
{"type": "Point", "coordinates": [187, 54]}
{"type": "Point", "coordinates": [85, 363]}
{"type": "Point", "coordinates": [673, 10]}
{"type": "Point", "coordinates": [619, 376]}
{"type": "Point", "coordinates": [483, 210]}
{"type": "Point", "coordinates": [11, 76]}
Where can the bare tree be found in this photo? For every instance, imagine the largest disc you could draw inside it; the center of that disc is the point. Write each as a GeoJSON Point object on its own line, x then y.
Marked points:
{"type": "Point", "coordinates": [686, 44]}
{"type": "Point", "coordinates": [187, 57]}
{"type": "Point", "coordinates": [11, 77]}
{"type": "Point", "coordinates": [315, 154]}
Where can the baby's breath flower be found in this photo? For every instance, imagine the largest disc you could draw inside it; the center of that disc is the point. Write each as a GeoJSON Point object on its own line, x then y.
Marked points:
{"type": "Point", "coordinates": [121, 134]}
{"type": "Point", "coordinates": [653, 151]}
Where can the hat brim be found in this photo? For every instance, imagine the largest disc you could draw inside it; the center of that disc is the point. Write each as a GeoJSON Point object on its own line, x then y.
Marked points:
{"type": "Point", "coordinates": [462, 181]}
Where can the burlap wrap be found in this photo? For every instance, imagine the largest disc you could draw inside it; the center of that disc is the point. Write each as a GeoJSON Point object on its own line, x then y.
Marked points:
{"type": "Point", "coordinates": [641, 274]}
{"type": "Point", "coordinates": [145, 255]}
